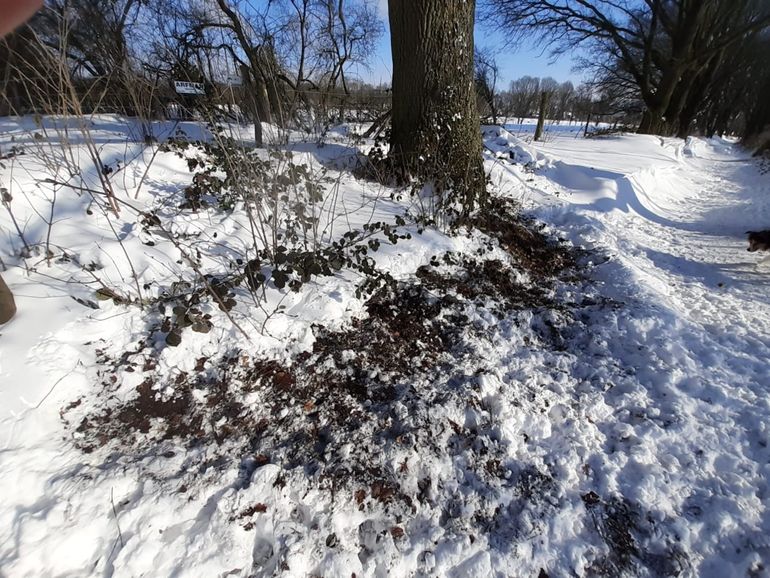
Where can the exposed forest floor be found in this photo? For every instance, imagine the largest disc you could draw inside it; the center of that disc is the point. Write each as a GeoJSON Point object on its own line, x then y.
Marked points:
{"type": "Point", "coordinates": [573, 384]}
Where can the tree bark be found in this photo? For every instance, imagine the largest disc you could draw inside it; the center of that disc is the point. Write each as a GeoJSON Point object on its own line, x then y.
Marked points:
{"type": "Point", "coordinates": [435, 126]}
{"type": "Point", "coordinates": [652, 122]}
{"type": "Point", "coordinates": [253, 99]}
{"type": "Point", "coordinates": [541, 115]}
{"type": "Point", "coordinates": [757, 131]}
{"type": "Point", "coordinates": [7, 304]}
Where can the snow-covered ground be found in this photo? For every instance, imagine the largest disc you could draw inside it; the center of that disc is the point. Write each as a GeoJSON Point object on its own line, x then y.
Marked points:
{"type": "Point", "coordinates": [621, 430]}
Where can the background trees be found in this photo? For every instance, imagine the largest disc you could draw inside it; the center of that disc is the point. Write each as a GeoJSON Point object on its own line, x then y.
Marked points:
{"type": "Point", "coordinates": [276, 58]}
{"type": "Point", "coordinates": [666, 53]}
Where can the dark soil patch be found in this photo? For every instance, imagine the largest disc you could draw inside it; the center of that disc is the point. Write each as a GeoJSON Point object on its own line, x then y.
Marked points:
{"type": "Point", "coordinates": [150, 416]}
{"type": "Point", "coordinates": [616, 522]}
{"type": "Point", "coordinates": [334, 412]}
{"type": "Point", "coordinates": [536, 253]}
{"type": "Point", "coordinates": [350, 416]}
{"type": "Point", "coordinates": [490, 281]}
{"type": "Point", "coordinates": [620, 525]}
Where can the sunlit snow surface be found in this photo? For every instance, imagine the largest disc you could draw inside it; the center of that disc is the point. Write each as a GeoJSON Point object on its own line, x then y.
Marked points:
{"type": "Point", "coordinates": [658, 407]}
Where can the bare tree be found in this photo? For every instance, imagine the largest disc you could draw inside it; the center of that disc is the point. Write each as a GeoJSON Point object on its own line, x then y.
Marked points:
{"type": "Point", "coordinates": [562, 101]}
{"type": "Point", "coordinates": [658, 45]}
{"type": "Point", "coordinates": [435, 126]}
{"type": "Point", "coordinates": [349, 33]}
{"type": "Point", "coordinates": [260, 69]}
{"type": "Point", "coordinates": [524, 92]}
{"type": "Point", "coordinates": [96, 31]}
{"type": "Point", "coordinates": [290, 54]}
{"type": "Point", "coordinates": [544, 96]}
{"type": "Point", "coordinates": [486, 73]}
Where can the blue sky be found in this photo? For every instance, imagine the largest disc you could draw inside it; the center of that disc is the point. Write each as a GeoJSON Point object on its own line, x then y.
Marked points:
{"type": "Point", "coordinates": [513, 63]}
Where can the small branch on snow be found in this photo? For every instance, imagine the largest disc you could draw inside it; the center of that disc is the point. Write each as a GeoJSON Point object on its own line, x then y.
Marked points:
{"type": "Point", "coordinates": [117, 522]}
{"type": "Point", "coordinates": [58, 381]}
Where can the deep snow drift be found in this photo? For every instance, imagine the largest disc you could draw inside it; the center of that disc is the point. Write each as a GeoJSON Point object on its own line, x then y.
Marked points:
{"type": "Point", "coordinates": [606, 416]}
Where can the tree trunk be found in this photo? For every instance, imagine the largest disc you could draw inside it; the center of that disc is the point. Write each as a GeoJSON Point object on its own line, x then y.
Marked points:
{"type": "Point", "coordinates": [541, 115]}
{"type": "Point", "coordinates": [652, 122]}
{"type": "Point", "coordinates": [693, 104]}
{"type": "Point", "coordinates": [588, 122]}
{"type": "Point", "coordinates": [694, 93]}
{"type": "Point", "coordinates": [721, 122]}
{"type": "Point", "coordinates": [7, 304]}
{"type": "Point", "coordinates": [261, 99]}
{"type": "Point", "coordinates": [756, 133]}
{"type": "Point", "coordinates": [270, 84]}
{"type": "Point", "coordinates": [435, 126]}
{"type": "Point", "coordinates": [252, 100]}
{"type": "Point", "coordinates": [682, 95]}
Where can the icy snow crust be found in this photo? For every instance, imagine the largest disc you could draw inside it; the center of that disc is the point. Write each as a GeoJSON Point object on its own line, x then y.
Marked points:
{"type": "Point", "coordinates": [622, 433]}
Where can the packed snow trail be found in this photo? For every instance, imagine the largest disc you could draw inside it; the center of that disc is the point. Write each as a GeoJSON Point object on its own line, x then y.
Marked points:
{"type": "Point", "coordinates": [676, 213]}
{"type": "Point", "coordinates": [677, 225]}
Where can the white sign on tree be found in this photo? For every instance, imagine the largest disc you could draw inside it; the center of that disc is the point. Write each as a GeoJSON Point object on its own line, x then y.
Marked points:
{"type": "Point", "coordinates": [184, 87]}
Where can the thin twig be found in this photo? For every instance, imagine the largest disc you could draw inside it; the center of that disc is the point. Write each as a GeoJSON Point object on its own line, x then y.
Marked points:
{"type": "Point", "coordinates": [58, 381]}
{"type": "Point", "coordinates": [117, 522]}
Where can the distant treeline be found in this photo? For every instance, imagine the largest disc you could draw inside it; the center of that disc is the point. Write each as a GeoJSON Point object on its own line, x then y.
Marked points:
{"type": "Point", "coordinates": [287, 62]}
{"type": "Point", "coordinates": [668, 67]}
{"type": "Point", "coordinates": [678, 66]}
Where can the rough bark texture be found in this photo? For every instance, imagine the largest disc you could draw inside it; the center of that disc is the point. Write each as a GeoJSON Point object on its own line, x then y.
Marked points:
{"type": "Point", "coordinates": [257, 108]}
{"type": "Point", "coordinates": [652, 122]}
{"type": "Point", "coordinates": [541, 115]}
{"type": "Point", "coordinates": [757, 133]}
{"type": "Point", "coordinates": [435, 125]}
{"type": "Point", "coordinates": [7, 304]}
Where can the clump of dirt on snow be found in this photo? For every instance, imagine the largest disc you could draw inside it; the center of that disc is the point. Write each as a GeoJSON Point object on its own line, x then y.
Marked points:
{"type": "Point", "coordinates": [384, 412]}
{"type": "Point", "coordinates": [377, 410]}
{"type": "Point", "coordinates": [349, 389]}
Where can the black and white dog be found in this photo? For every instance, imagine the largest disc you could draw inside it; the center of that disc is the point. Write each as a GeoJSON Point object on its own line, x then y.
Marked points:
{"type": "Point", "coordinates": [759, 240]}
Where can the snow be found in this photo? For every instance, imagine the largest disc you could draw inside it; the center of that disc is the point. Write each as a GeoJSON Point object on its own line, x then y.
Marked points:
{"type": "Point", "coordinates": [625, 434]}
{"type": "Point", "coordinates": [673, 222]}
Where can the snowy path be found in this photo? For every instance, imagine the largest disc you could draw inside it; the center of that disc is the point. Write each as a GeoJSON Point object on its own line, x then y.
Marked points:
{"type": "Point", "coordinates": [681, 223]}
{"type": "Point", "coordinates": [702, 250]}
{"type": "Point", "coordinates": [699, 340]}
